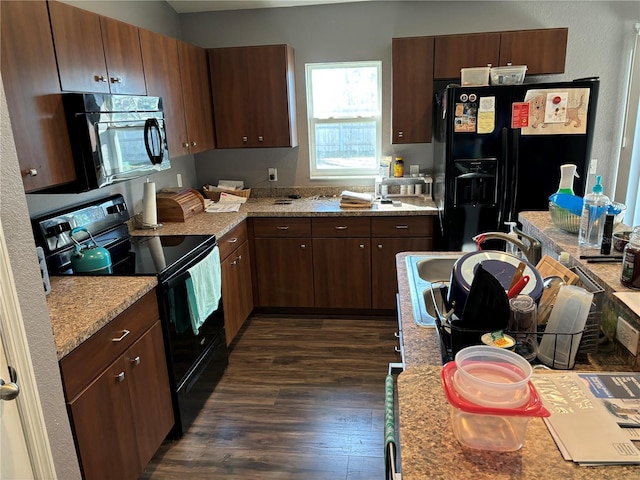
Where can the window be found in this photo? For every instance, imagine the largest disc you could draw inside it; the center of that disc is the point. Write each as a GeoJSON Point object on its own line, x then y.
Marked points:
{"type": "Point", "coordinates": [344, 108]}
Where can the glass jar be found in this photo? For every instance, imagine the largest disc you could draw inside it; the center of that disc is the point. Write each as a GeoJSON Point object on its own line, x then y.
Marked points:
{"type": "Point", "coordinates": [398, 167]}
{"type": "Point", "coordinates": [630, 275]}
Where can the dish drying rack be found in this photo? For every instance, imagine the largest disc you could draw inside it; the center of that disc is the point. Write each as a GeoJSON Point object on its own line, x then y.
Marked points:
{"type": "Point", "coordinates": [453, 338]}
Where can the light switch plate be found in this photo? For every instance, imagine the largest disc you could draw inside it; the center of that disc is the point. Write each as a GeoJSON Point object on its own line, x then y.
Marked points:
{"type": "Point", "coordinates": [627, 335]}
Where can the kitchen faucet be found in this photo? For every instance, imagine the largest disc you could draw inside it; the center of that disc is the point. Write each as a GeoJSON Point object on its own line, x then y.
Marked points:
{"type": "Point", "coordinates": [533, 251]}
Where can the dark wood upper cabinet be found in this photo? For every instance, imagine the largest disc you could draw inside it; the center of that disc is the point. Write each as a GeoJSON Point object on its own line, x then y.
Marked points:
{"type": "Point", "coordinates": [253, 96]}
{"type": "Point", "coordinates": [196, 94]}
{"type": "Point", "coordinates": [123, 55]}
{"type": "Point", "coordinates": [542, 51]}
{"type": "Point", "coordinates": [94, 53]}
{"type": "Point", "coordinates": [161, 61]}
{"type": "Point", "coordinates": [30, 77]}
{"type": "Point", "coordinates": [453, 52]}
{"type": "Point", "coordinates": [412, 90]}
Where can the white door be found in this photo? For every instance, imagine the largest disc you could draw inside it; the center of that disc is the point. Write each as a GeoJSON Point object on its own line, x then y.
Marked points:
{"type": "Point", "coordinates": [14, 456]}
{"type": "Point", "coordinates": [24, 444]}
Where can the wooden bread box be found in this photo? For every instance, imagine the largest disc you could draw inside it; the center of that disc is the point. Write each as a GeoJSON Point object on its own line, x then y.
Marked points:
{"type": "Point", "coordinates": [177, 206]}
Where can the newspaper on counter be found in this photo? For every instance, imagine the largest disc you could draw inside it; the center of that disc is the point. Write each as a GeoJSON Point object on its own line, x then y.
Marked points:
{"type": "Point", "coordinates": [584, 428]}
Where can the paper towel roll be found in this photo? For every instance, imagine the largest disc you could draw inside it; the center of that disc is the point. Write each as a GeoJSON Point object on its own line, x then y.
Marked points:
{"type": "Point", "coordinates": [149, 211]}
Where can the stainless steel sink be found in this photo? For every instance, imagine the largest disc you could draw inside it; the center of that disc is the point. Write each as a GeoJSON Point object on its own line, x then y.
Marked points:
{"type": "Point", "coordinates": [427, 274]}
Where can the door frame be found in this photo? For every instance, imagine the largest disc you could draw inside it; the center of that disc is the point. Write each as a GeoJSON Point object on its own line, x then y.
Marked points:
{"type": "Point", "coordinates": [14, 340]}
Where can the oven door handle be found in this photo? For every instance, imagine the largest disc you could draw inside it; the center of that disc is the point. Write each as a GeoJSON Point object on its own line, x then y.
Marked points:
{"type": "Point", "coordinates": [180, 276]}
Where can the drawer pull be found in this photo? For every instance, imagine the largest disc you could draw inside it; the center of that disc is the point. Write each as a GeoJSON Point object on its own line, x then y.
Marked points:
{"type": "Point", "coordinates": [235, 262]}
{"type": "Point", "coordinates": [402, 227]}
{"type": "Point", "coordinates": [303, 246]}
{"type": "Point", "coordinates": [232, 240]}
{"type": "Point", "coordinates": [397, 349]}
{"type": "Point", "coordinates": [341, 227]}
{"type": "Point", "coordinates": [120, 377]}
{"type": "Point", "coordinates": [361, 245]}
{"type": "Point", "coordinates": [283, 227]}
{"type": "Point", "coordinates": [380, 246]}
{"type": "Point", "coordinates": [239, 258]}
{"type": "Point", "coordinates": [396, 334]}
{"type": "Point", "coordinates": [124, 334]}
{"type": "Point", "coordinates": [136, 361]}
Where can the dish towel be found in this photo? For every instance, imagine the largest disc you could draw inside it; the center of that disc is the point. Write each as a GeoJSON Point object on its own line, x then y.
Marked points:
{"type": "Point", "coordinates": [204, 289]}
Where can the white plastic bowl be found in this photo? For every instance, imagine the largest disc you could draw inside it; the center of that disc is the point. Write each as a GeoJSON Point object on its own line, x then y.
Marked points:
{"type": "Point", "coordinates": [492, 377]}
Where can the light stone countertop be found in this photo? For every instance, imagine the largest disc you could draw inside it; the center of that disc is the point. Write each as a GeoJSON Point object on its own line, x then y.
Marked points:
{"type": "Point", "coordinates": [222, 222]}
{"type": "Point", "coordinates": [79, 306]}
{"type": "Point", "coordinates": [430, 450]}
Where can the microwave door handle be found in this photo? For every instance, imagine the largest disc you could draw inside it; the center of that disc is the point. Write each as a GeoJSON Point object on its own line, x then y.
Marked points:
{"type": "Point", "coordinates": [153, 136]}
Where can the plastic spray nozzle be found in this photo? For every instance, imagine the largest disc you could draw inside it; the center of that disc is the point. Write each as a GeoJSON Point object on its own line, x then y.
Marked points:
{"type": "Point", "coordinates": [511, 225]}
{"type": "Point", "coordinates": [597, 188]}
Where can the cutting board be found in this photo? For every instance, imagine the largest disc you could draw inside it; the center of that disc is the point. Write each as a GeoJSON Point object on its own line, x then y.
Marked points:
{"type": "Point", "coordinates": [548, 266]}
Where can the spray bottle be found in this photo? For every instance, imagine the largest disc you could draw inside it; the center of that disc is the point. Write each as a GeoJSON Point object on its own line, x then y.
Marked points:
{"type": "Point", "coordinates": [567, 173]}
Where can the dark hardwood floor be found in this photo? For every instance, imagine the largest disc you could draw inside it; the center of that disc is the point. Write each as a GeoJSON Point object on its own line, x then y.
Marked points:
{"type": "Point", "coordinates": [302, 398]}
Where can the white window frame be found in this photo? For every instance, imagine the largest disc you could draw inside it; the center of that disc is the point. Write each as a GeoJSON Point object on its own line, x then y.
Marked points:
{"type": "Point", "coordinates": [312, 121]}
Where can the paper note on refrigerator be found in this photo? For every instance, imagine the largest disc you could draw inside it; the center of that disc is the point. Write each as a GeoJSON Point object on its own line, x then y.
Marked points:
{"type": "Point", "coordinates": [486, 115]}
{"type": "Point", "coordinates": [557, 111]}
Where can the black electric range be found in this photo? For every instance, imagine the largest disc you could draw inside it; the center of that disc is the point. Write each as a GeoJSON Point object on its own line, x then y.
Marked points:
{"type": "Point", "coordinates": [196, 359]}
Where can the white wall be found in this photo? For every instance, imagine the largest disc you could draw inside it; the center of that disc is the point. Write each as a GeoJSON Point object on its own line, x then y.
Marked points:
{"type": "Point", "coordinates": [600, 33]}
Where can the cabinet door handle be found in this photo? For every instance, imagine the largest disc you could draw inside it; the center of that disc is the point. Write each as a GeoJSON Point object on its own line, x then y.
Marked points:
{"type": "Point", "coordinates": [193, 144]}
{"type": "Point", "coordinates": [185, 144]}
{"type": "Point", "coordinates": [245, 139]}
{"type": "Point", "coordinates": [32, 172]}
{"type": "Point", "coordinates": [397, 349]}
{"type": "Point", "coordinates": [362, 245]}
{"type": "Point", "coordinates": [136, 360]}
{"type": "Point", "coordinates": [232, 240]}
{"type": "Point", "coordinates": [400, 134]}
{"type": "Point", "coordinates": [396, 334]}
{"type": "Point", "coordinates": [283, 227]}
{"type": "Point", "coordinates": [124, 334]}
{"type": "Point", "coordinates": [380, 246]}
{"type": "Point", "coordinates": [402, 227]}
{"type": "Point", "coordinates": [235, 262]}
{"type": "Point", "coordinates": [120, 377]}
{"type": "Point", "coordinates": [303, 246]}
{"type": "Point", "coordinates": [260, 138]}
{"type": "Point", "coordinates": [341, 227]}
{"type": "Point", "coordinates": [100, 78]}
{"type": "Point", "coordinates": [239, 257]}
{"type": "Point", "coordinates": [116, 80]}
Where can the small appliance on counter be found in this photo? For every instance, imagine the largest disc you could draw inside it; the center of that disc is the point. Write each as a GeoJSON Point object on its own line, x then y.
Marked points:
{"type": "Point", "coordinates": [196, 358]}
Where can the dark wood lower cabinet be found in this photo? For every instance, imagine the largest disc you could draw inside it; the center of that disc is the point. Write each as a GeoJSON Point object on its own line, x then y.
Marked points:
{"type": "Point", "coordinates": [284, 272]}
{"type": "Point", "coordinates": [118, 395]}
{"type": "Point", "coordinates": [384, 284]}
{"type": "Point", "coordinates": [342, 272]}
{"type": "Point", "coordinates": [237, 295]}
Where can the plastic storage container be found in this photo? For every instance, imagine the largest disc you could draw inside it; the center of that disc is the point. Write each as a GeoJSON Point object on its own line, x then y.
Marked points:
{"type": "Point", "coordinates": [475, 76]}
{"type": "Point", "coordinates": [509, 75]}
{"type": "Point", "coordinates": [492, 377]}
{"type": "Point", "coordinates": [564, 329]}
{"type": "Point", "coordinates": [489, 428]}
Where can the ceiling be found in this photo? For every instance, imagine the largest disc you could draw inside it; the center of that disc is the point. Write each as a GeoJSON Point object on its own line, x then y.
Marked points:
{"type": "Point", "coordinates": [189, 6]}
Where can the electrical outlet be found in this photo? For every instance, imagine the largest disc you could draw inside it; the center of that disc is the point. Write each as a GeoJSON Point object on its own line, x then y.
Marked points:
{"type": "Point", "coordinates": [593, 165]}
{"type": "Point", "coordinates": [627, 335]}
{"type": "Point", "coordinates": [273, 174]}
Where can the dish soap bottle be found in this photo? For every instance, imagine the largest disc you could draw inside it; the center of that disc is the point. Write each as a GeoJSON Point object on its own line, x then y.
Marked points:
{"type": "Point", "coordinates": [567, 172]}
{"type": "Point", "coordinates": [630, 276]}
{"type": "Point", "coordinates": [594, 211]}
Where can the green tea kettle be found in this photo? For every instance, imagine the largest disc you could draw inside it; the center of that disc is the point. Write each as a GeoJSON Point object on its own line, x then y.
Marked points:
{"type": "Point", "coordinates": [89, 257]}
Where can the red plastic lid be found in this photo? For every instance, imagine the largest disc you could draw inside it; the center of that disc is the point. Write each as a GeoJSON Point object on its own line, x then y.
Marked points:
{"type": "Point", "coordinates": [533, 408]}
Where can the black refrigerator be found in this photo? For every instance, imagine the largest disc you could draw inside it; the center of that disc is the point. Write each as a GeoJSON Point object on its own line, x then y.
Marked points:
{"type": "Point", "coordinates": [498, 151]}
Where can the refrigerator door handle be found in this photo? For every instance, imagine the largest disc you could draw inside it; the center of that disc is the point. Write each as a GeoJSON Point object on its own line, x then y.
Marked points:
{"type": "Point", "coordinates": [511, 213]}
{"type": "Point", "coordinates": [504, 188]}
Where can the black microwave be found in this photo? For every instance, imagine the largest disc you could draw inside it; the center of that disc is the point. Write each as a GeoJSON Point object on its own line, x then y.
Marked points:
{"type": "Point", "coordinates": [114, 138]}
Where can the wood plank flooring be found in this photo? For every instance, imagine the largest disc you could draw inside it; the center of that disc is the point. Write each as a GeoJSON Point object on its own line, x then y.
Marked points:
{"type": "Point", "coordinates": [302, 398]}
